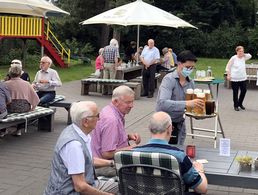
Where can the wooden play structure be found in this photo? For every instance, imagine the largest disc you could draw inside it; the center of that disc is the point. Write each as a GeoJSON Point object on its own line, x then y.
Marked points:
{"type": "Point", "coordinates": [37, 28]}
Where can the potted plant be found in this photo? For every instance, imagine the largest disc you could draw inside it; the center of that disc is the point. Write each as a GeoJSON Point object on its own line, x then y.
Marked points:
{"type": "Point", "coordinates": [245, 162]}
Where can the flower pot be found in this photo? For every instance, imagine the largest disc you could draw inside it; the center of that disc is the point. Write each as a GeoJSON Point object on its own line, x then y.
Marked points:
{"type": "Point", "coordinates": [245, 167]}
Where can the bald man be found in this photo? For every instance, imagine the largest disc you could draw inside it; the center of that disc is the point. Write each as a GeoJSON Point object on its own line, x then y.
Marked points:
{"type": "Point", "coordinates": [150, 57]}
{"type": "Point", "coordinates": [160, 127]}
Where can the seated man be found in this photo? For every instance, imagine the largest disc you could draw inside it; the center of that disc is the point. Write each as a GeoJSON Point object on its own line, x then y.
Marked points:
{"type": "Point", "coordinates": [192, 173]}
{"type": "Point", "coordinates": [72, 166]}
{"type": "Point", "coordinates": [109, 135]}
{"type": "Point", "coordinates": [46, 81]}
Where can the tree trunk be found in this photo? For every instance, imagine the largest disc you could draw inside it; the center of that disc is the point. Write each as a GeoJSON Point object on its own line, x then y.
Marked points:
{"type": "Point", "coordinates": [24, 51]}
{"type": "Point", "coordinates": [105, 29]}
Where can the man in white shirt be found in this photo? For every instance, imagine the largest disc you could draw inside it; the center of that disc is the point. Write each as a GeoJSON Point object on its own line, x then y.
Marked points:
{"type": "Point", "coordinates": [46, 81]}
{"type": "Point", "coordinates": [73, 165]}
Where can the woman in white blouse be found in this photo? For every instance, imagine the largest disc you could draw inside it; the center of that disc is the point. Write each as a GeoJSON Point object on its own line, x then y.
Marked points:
{"type": "Point", "coordinates": [236, 73]}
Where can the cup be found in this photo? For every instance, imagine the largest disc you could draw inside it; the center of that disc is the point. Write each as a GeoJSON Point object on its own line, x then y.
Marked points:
{"type": "Point", "coordinates": [190, 151]}
{"type": "Point", "coordinates": [195, 92]}
{"type": "Point", "coordinates": [207, 94]}
{"type": "Point", "coordinates": [189, 96]}
{"type": "Point", "coordinates": [210, 107]}
{"type": "Point", "coordinates": [197, 110]}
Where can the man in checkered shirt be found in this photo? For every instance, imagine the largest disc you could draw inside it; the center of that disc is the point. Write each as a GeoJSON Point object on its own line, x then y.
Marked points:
{"type": "Point", "coordinates": [110, 55]}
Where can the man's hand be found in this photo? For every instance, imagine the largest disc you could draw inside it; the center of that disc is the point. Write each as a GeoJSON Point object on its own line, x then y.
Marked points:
{"type": "Point", "coordinates": [43, 81]}
{"type": "Point", "coordinates": [195, 103]}
{"type": "Point", "coordinates": [134, 137]}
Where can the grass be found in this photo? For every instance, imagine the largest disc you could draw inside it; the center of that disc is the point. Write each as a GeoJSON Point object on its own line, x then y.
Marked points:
{"type": "Point", "coordinates": [78, 70]}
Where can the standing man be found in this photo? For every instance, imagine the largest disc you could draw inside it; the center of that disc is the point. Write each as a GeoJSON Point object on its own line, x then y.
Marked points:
{"type": "Point", "coordinates": [109, 135]}
{"type": "Point", "coordinates": [150, 57]}
{"type": "Point", "coordinates": [160, 127]}
{"type": "Point", "coordinates": [171, 95]}
{"type": "Point", "coordinates": [73, 166]}
{"type": "Point", "coordinates": [46, 81]}
{"type": "Point", "coordinates": [110, 56]}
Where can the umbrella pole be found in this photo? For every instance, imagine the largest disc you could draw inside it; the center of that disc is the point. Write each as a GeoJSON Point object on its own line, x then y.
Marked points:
{"type": "Point", "coordinates": [138, 39]}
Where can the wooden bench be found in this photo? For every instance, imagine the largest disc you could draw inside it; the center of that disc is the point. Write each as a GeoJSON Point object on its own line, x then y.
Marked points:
{"type": "Point", "coordinates": [44, 115]}
{"type": "Point", "coordinates": [85, 84]}
{"type": "Point", "coordinates": [251, 81]}
{"type": "Point", "coordinates": [60, 101]}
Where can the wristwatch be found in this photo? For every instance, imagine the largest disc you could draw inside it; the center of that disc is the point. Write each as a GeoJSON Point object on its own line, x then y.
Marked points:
{"type": "Point", "coordinates": [112, 163]}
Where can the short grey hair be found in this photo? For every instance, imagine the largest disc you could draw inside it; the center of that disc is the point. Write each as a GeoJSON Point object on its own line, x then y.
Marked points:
{"type": "Point", "coordinates": [159, 122]}
{"type": "Point", "coordinates": [122, 90]}
{"type": "Point", "coordinates": [114, 43]}
{"type": "Point", "coordinates": [15, 70]}
{"type": "Point", "coordinates": [48, 59]}
{"type": "Point", "coordinates": [81, 110]}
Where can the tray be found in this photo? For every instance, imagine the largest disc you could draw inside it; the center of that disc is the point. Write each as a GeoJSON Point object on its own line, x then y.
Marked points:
{"type": "Point", "coordinates": [200, 116]}
{"type": "Point", "coordinates": [205, 79]}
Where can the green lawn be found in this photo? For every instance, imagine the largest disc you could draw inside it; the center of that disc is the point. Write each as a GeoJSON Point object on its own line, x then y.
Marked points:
{"type": "Point", "coordinates": [78, 70]}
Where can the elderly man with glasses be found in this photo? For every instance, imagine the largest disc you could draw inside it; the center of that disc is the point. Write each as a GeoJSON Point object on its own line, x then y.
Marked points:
{"type": "Point", "coordinates": [171, 95]}
{"type": "Point", "coordinates": [46, 81]}
{"type": "Point", "coordinates": [73, 164]}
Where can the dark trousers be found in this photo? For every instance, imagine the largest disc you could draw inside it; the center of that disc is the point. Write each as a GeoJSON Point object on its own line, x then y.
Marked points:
{"type": "Point", "coordinates": [174, 134]}
{"type": "Point", "coordinates": [148, 79]}
{"type": "Point", "coordinates": [238, 101]}
{"type": "Point", "coordinates": [46, 96]}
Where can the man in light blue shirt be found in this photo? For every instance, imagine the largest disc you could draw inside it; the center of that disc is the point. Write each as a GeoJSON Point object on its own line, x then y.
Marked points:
{"type": "Point", "coordinates": [171, 95]}
{"type": "Point", "coordinates": [150, 57]}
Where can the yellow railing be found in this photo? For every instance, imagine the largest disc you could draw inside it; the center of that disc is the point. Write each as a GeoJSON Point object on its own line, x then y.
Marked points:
{"type": "Point", "coordinates": [20, 26]}
{"type": "Point", "coordinates": [65, 53]}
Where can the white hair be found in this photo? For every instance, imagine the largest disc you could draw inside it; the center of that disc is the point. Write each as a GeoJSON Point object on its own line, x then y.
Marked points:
{"type": "Point", "coordinates": [15, 70]}
{"type": "Point", "coordinates": [48, 59]}
{"type": "Point", "coordinates": [81, 110]}
{"type": "Point", "coordinates": [16, 62]}
{"type": "Point", "coordinates": [122, 90]}
{"type": "Point", "coordinates": [101, 51]}
{"type": "Point", "coordinates": [114, 43]}
{"type": "Point", "coordinates": [159, 122]}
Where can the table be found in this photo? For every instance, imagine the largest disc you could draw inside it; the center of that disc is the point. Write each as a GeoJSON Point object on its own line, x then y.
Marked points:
{"type": "Point", "coordinates": [216, 116]}
{"type": "Point", "coordinates": [224, 170]}
{"type": "Point", "coordinates": [129, 73]}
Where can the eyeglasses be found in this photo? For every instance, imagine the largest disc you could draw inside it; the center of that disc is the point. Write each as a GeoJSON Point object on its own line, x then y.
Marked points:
{"type": "Point", "coordinates": [190, 67]}
{"type": "Point", "coordinates": [41, 62]}
{"type": "Point", "coordinates": [15, 63]}
{"type": "Point", "coordinates": [97, 116]}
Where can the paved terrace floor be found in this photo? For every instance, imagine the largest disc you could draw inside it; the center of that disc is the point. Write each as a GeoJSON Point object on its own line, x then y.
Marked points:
{"type": "Point", "coordinates": [25, 161]}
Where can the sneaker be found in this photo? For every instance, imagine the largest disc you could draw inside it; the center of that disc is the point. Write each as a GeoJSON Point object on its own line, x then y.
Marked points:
{"type": "Point", "coordinates": [17, 133]}
{"type": "Point", "coordinates": [2, 133]}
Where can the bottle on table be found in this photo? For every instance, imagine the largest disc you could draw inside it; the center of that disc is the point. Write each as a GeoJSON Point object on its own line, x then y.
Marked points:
{"type": "Point", "coordinates": [209, 72]}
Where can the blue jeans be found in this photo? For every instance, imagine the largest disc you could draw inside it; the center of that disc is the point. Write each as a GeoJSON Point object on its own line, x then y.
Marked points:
{"type": "Point", "coordinates": [46, 96]}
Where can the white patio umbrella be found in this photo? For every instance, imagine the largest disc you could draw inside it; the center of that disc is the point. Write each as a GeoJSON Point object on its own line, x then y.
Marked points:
{"type": "Point", "coordinates": [138, 13]}
{"type": "Point", "coordinates": [29, 7]}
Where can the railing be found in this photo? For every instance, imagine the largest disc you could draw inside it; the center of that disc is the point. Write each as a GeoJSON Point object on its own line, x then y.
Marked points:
{"type": "Point", "coordinates": [20, 26]}
{"type": "Point", "coordinates": [17, 26]}
{"type": "Point", "coordinates": [65, 53]}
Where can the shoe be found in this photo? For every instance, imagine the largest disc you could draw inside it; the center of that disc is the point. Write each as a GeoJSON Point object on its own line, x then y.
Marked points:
{"type": "Point", "coordinates": [2, 134]}
{"type": "Point", "coordinates": [242, 107]}
{"type": "Point", "coordinates": [236, 108]}
{"type": "Point", "coordinates": [150, 95]}
{"type": "Point", "coordinates": [17, 133]}
{"type": "Point", "coordinates": [144, 94]}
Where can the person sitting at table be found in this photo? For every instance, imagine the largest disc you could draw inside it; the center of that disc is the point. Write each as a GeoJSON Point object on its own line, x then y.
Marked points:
{"type": "Point", "coordinates": [166, 62]}
{"type": "Point", "coordinates": [129, 52]}
{"type": "Point", "coordinates": [192, 173]}
{"type": "Point", "coordinates": [46, 81]}
{"type": "Point", "coordinates": [24, 98]}
{"type": "Point", "coordinates": [24, 75]}
{"type": "Point", "coordinates": [138, 54]}
{"type": "Point", "coordinates": [171, 95]}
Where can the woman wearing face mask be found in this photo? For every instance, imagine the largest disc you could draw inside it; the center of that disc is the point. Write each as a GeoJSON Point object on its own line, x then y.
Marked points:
{"type": "Point", "coordinates": [171, 95]}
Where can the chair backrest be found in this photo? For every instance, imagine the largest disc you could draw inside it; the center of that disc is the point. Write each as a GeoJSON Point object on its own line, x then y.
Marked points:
{"type": "Point", "coordinates": [148, 173]}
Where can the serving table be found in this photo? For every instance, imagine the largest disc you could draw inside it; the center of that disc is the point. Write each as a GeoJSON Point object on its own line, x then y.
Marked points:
{"type": "Point", "coordinates": [217, 122]}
